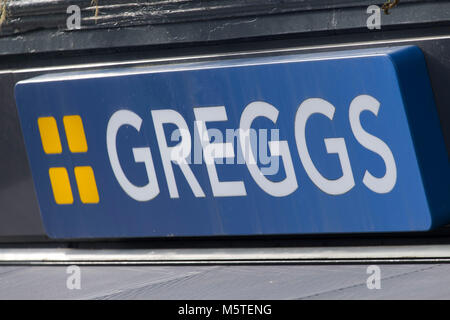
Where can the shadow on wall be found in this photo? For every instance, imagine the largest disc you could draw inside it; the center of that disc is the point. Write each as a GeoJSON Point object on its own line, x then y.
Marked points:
{"type": "Point", "coordinates": [438, 63]}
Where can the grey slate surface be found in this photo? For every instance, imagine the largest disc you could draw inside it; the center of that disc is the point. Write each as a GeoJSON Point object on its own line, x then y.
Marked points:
{"type": "Point", "coordinates": [414, 281]}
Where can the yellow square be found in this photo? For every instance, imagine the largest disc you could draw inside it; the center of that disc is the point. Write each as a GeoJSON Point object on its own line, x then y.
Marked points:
{"type": "Point", "coordinates": [62, 192]}
{"type": "Point", "coordinates": [87, 188]}
{"type": "Point", "coordinates": [49, 135]}
{"type": "Point", "coordinates": [76, 137]}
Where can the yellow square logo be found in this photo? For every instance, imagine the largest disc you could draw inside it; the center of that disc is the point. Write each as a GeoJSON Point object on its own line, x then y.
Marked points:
{"type": "Point", "coordinates": [59, 176]}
